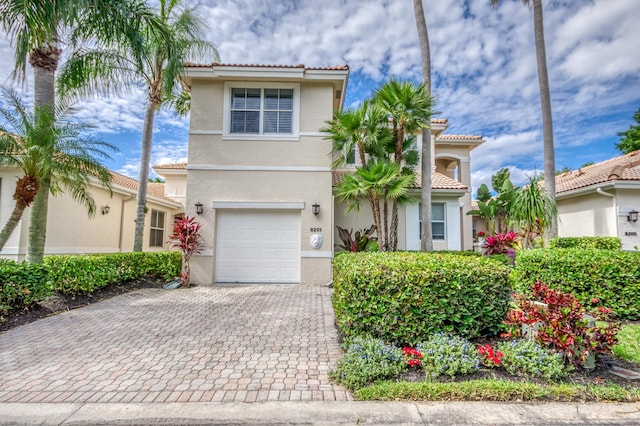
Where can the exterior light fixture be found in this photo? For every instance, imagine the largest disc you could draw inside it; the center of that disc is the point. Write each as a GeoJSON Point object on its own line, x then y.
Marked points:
{"type": "Point", "coordinates": [105, 209]}
{"type": "Point", "coordinates": [315, 209]}
{"type": "Point", "coordinates": [199, 208]}
{"type": "Point", "coordinates": [632, 216]}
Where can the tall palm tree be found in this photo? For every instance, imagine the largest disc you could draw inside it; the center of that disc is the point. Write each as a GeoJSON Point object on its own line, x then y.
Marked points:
{"type": "Point", "coordinates": [409, 108]}
{"type": "Point", "coordinates": [61, 155]}
{"type": "Point", "coordinates": [38, 30]}
{"type": "Point", "coordinates": [426, 237]}
{"type": "Point", "coordinates": [161, 65]}
{"type": "Point", "coordinates": [545, 101]}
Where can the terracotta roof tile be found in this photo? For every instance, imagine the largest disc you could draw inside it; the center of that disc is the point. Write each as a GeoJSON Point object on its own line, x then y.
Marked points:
{"type": "Point", "coordinates": [154, 189]}
{"type": "Point", "coordinates": [624, 167]}
{"type": "Point", "coordinates": [217, 64]}
{"type": "Point", "coordinates": [173, 166]}
{"type": "Point", "coordinates": [438, 181]}
{"type": "Point", "coordinates": [439, 120]}
{"type": "Point", "coordinates": [459, 137]}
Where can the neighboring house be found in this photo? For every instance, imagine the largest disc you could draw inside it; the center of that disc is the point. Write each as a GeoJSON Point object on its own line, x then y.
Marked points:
{"type": "Point", "coordinates": [600, 200]}
{"type": "Point", "coordinates": [260, 170]}
{"type": "Point", "coordinates": [450, 199]}
{"type": "Point", "coordinates": [71, 231]}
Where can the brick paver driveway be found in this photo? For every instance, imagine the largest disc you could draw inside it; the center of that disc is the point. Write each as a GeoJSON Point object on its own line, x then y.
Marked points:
{"type": "Point", "coordinates": [222, 343]}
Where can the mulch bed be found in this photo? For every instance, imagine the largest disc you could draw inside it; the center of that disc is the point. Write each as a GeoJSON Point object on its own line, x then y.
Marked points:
{"type": "Point", "coordinates": [61, 303]}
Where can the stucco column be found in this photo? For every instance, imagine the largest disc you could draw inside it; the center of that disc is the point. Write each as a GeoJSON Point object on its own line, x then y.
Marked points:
{"type": "Point", "coordinates": [464, 174]}
{"type": "Point", "coordinates": [453, 225]}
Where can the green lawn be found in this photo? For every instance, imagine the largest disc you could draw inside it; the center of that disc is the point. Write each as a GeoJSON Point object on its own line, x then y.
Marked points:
{"type": "Point", "coordinates": [628, 347]}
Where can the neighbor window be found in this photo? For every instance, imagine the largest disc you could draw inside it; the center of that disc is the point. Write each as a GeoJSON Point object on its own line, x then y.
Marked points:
{"type": "Point", "coordinates": [261, 111]}
{"type": "Point", "coordinates": [156, 234]}
{"type": "Point", "coordinates": [437, 221]}
{"type": "Point", "coordinates": [350, 156]}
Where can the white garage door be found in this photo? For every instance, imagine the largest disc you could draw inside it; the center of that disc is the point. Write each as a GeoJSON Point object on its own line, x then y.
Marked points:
{"type": "Point", "coordinates": [258, 246]}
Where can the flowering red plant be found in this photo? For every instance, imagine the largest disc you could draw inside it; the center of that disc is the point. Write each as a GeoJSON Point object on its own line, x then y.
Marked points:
{"type": "Point", "coordinates": [500, 244]}
{"type": "Point", "coordinates": [413, 356]}
{"type": "Point", "coordinates": [186, 238]}
{"type": "Point", "coordinates": [481, 234]}
{"type": "Point", "coordinates": [488, 356]}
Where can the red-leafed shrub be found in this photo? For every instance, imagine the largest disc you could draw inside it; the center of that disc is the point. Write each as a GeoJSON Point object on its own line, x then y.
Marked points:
{"type": "Point", "coordinates": [561, 323]}
{"type": "Point", "coordinates": [186, 238]}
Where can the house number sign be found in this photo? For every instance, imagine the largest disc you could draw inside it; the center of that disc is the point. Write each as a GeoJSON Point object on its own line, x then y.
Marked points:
{"type": "Point", "coordinates": [630, 234]}
{"type": "Point", "coordinates": [316, 229]}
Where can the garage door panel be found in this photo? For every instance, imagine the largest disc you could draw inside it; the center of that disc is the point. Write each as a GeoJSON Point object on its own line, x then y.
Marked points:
{"type": "Point", "coordinates": [258, 246]}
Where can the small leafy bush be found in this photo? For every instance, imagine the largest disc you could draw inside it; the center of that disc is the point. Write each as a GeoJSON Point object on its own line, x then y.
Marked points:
{"type": "Point", "coordinates": [602, 243]}
{"type": "Point", "coordinates": [22, 284]}
{"type": "Point", "coordinates": [361, 241]}
{"type": "Point", "coordinates": [367, 360]}
{"type": "Point", "coordinates": [562, 324]}
{"type": "Point", "coordinates": [527, 358]}
{"type": "Point", "coordinates": [489, 357]}
{"type": "Point", "coordinates": [612, 276]}
{"type": "Point", "coordinates": [405, 297]}
{"type": "Point", "coordinates": [504, 244]}
{"type": "Point", "coordinates": [446, 355]}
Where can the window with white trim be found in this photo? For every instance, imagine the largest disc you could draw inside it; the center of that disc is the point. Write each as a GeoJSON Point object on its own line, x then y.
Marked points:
{"type": "Point", "coordinates": [438, 224]}
{"type": "Point", "coordinates": [156, 232]}
{"type": "Point", "coordinates": [259, 111]}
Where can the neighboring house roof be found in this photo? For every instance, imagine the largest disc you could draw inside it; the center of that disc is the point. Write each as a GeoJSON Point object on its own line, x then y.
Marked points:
{"type": "Point", "coordinates": [459, 138]}
{"type": "Point", "coordinates": [623, 168]}
{"type": "Point", "coordinates": [174, 166]}
{"type": "Point", "coordinates": [438, 181]}
{"type": "Point", "coordinates": [474, 205]}
{"type": "Point", "coordinates": [154, 189]}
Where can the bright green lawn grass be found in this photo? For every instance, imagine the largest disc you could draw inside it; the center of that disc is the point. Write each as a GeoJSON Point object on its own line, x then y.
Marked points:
{"type": "Point", "coordinates": [495, 390]}
{"type": "Point", "coordinates": [628, 347]}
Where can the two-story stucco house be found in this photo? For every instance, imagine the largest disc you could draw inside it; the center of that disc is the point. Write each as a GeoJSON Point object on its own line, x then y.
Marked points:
{"type": "Point", "coordinates": [259, 170]}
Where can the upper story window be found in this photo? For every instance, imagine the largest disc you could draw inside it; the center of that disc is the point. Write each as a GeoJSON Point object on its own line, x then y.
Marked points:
{"type": "Point", "coordinates": [265, 111]}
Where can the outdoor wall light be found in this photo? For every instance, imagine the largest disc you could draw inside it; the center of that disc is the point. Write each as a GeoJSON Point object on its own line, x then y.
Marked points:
{"type": "Point", "coordinates": [315, 209]}
{"type": "Point", "coordinates": [199, 208]}
{"type": "Point", "coordinates": [632, 216]}
{"type": "Point", "coordinates": [105, 209]}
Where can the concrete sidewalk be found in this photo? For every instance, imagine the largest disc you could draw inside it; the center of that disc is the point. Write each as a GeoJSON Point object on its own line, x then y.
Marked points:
{"type": "Point", "coordinates": [321, 413]}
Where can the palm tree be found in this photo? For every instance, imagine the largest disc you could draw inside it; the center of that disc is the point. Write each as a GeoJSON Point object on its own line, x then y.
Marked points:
{"type": "Point", "coordinates": [409, 108]}
{"type": "Point", "coordinates": [161, 65]}
{"type": "Point", "coordinates": [532, 210]}
{"type": "Point", "coordinates": [379, 180]}
{"type": "Point", "coordinates": [38, 30]}
{"type": "Point", "coordinates": [426, 237]}
{"type": "Point", "coordinates": [62, 156]}
{"type": "Point", "coordinates": [545, 101]}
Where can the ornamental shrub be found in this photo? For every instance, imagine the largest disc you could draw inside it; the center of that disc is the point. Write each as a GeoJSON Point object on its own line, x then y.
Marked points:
{"type": "Point", "coordinates": [85, 274]}
{"type": "Point", "coordinates": [527, 358]}
{"type": "Point", "coordinates": [446, 355]}
{"type": "Point", "coordinates": [611, 276]}
{"type": "Point", "coordinates": [22, 284]}
{"type": "Point", "coordinates": [562, 324]}
{"type": "Point", "coordinates": [405, 297]}
{"type": "Point", "coordinates": [603, 243]}
{"type": "Point", "coordinates": [367, 360]}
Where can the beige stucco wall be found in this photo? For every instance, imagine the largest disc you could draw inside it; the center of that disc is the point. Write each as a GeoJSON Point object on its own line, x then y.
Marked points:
{"type": "Point", "coordinates": [587, 215]}
{"type": "Point", "coordinates": [629, 232]}
{"type": "Point", "coordinates": [69, 228]}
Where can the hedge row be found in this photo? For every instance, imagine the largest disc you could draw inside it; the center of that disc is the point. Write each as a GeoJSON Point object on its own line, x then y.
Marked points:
{"type": "Point", "coordinates": [604, 243]}
{"type": "Point", "coordinates": [611, 276]}
{"type": "Point", "coordinates": [24, 284]}
{"type": "Point", "coordinates": [405, 297]}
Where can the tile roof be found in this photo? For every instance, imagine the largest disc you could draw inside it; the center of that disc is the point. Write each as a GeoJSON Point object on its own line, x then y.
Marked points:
{"type": "Point", "coordinates": [173, 166]}
{"type": "Point", "coordinates": [439, 120]}
{"type": "Point", "coordinates": [459, 137]}
{"type": "Point", "coordinates": [154, 189]}
{"type": "Point", "coordinates": [217, 64]}
{"type": "Point", "coordinates": [438, 181]}
{"type": "Point", "coordinates": [625, 167]}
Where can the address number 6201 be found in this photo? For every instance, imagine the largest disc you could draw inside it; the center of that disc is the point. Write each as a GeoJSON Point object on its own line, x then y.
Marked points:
{"type": "Point", "coordinates": [316, 229]}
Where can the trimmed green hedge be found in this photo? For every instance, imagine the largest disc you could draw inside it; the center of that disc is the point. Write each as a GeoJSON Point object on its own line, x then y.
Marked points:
{"type": "Point", "coordinates": [403, 298]}
{"type": "Point", "coordinates": [611, 276]}
{"type": "Point", "coordinates": [24, 284]}
{"type": "Point", "coordinates": [604, 243]}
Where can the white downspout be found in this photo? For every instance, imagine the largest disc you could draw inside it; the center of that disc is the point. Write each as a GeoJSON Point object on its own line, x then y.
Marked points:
{"type": "Point", "coordinates": [615, 207]}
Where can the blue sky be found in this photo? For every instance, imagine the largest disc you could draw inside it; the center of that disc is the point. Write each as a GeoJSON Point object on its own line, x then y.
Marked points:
{"type": "Point", "coordinates": [483, 63]}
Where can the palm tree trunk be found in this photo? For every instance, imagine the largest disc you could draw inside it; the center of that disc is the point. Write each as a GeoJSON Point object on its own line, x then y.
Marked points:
{"type": "Point", "coordinates": [38, 222]}
{"type": "Point", "coordinates": [547, 120]}
{"type": "Point", "coordinates": [394, 226]}
{"type": "Point", "coordinates": [386, 224]}
{"type": "Point", "coordinates": [426, 235]}
{"type": "Point", "coordinates": [375, 206]}
{"type": "Point", "coordinates": [11, 224]}
{"type": "Point", "coordinates": [147, 137]}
